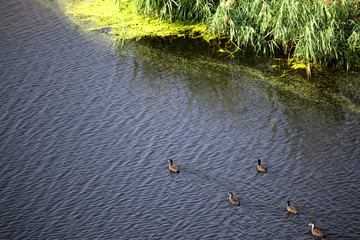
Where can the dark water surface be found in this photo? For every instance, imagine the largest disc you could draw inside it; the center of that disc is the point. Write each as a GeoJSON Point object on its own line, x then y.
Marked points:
{"type": "Point", "coordinates": [85, 138]}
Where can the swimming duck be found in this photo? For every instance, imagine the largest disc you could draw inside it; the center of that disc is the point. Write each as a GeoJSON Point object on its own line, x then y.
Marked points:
{"type": "Point", "coordinates": [291, 209]}
{"type": "Point", "coordinates": [233, 200]}
{"type": "Point", "coordinates": [260, 167]}
{"type": "Point", "coordinates": [316, 232]}
{"type": "Point", "coordinates": [172, 167]}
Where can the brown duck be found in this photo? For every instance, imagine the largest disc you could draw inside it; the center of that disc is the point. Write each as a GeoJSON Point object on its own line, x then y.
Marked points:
{"type": "Point", "coordinates": [172, 167]}
{"type": "Point", "coordinates": [233, 200]}
{"type": "Point", "coordinates": [291, 209]}
{"type": "Point", "coordinates": [260, 167]}
{"type": "Point", "coordinates": [316, 232]}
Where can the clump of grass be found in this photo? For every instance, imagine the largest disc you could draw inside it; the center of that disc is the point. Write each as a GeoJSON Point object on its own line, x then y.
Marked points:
{"type": "Point", "coordinates": [312, 31]}
{"type": "Point", "coordinates": [321, 32]}
{"type": "Point", "coordinates": [183, 10]}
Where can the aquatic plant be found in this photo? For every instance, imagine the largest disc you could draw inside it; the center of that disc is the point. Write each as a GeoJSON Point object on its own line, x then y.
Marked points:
{"type": "Point", "coordinates": [177, 9]}
{"type": "Point", "coordinates": [313, 31]}
{"type": "Point", "coordinates": [121, 18]}
{"type": "Point", "coordinates": [322, 32]}
{"type": "Point", "coordinates": [124, 21]}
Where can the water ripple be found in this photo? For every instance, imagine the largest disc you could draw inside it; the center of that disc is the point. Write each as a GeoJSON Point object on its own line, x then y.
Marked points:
{"type": "Point", "coordinates": [85, 139]}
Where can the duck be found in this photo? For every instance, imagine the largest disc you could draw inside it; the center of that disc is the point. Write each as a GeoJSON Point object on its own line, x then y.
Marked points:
{"type": "Point", "coordinates": [260, 167]}
{"type": "Point", "coordinates": [291, 209]}
{"type": "Point", "coordinates": [172, 167]}
{"type": "Point", "coordinates": [233, 200]}
{"type": "Point", "coordinates": [316, 232]}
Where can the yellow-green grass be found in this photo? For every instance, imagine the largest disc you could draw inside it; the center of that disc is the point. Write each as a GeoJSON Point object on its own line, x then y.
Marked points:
{"type": "Point", "coordinates": [125, 22]}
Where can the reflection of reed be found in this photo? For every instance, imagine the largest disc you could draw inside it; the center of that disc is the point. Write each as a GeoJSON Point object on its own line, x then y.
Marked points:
{"type": "Point", "coordinates": [201, 84]}
{"type": "Point", "coordinates": [223, 95]}
{"type": "Point", "coordinates": [199, 81]}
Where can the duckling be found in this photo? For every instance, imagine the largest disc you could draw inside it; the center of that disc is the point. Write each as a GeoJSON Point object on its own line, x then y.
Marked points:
{"type": "Point", "coordinates": [260, 167]}
{"type": "Point", "coordinates": [233, 200]}
{"type": "Point", "coordinates": [291, 209]}
{"type": "Point", "coordinates": [172, 167]}
{"type": "Point", "coordinates": [316, 232]}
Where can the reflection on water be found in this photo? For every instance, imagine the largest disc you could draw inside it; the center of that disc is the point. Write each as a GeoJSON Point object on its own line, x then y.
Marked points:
{"type": "Point", "coordinates": [230, 86]}
{"type": "Point", "coordinates": [86, 135]}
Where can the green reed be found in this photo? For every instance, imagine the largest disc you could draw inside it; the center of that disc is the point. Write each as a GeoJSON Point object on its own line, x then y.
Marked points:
{"type": "Point", "coordinates": [182, 10]}
{"type": "Point", "coordinates": [315, 31]}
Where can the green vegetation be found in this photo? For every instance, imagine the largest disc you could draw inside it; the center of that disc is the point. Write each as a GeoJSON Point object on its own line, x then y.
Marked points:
{"type": "Point", "coordinates": [129, 19]}
{"type": "Point", "coordinates": [123, 20]}
{"type": "Point", "coordinates": [317, 32]}
{"type": "Point", "coordinates": [309, 33]}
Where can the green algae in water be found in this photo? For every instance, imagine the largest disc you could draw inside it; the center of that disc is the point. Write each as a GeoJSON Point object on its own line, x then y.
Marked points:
{"type": "Point", "coordinates": [321, 90]}
{"type": "Point", "coordinates": [127, 24]}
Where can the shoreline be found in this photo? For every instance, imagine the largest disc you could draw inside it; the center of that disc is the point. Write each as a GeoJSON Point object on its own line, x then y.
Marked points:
{"type": "Point", "coordinates": [103, 16]}
{"type": "Point", "coordinates": [122, 19]}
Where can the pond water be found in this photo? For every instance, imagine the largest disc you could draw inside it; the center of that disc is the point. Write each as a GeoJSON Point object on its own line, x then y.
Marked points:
{"type": "Point", "coordinates": [86, 134]}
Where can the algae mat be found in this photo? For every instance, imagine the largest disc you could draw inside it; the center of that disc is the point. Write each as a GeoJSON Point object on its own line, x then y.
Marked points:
{"type": "Point", "coordinates": [124, 21]}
